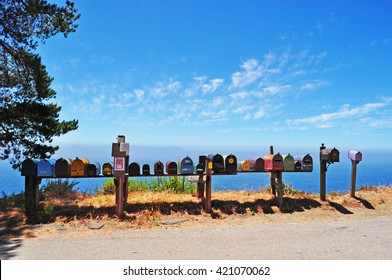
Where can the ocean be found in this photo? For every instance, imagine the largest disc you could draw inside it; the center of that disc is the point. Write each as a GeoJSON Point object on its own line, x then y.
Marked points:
{"type": "Point", "coordinates": [375, 169]}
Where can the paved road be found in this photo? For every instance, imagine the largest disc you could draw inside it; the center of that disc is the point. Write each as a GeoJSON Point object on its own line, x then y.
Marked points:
{"type": "Point", "coordinates": [351, 239]}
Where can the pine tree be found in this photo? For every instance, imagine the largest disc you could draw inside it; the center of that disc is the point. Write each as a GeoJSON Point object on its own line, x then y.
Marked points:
{"type": "Point", "coordinates": [28, 117]}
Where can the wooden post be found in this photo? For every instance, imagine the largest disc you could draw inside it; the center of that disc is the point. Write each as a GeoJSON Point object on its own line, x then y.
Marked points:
{"type": "Point", "coordinates": [200, 187]}
{"type": "Point", "coordinates": [119, 209]}
{"type": "Point", "coordinates": [353, 177]}
{"type": "Point", "coordinates": [31, 194]}
{"type": "Point", "coordinates": [323, 176]}
{"type": "Point", "coordinates": [273, 177]}
{"type": "Point", "coordinates": [280, 188]}
{"type": "Point", "coordinates": [323, 180]}
{"type": "Point", "coordinates": [208, 185]}
{"type": "Point", "coordinates": [125, 190]}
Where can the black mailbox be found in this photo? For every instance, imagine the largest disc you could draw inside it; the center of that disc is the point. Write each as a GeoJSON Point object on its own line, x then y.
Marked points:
{"type": "Point", "coordinates": [134, 169]}
{"type": "Point", "coordinates": [329, 155]}
{"type": "Point", "coordinates": [146, 169]}
{"type": "Point", "coordinates": [29, 167]}
{"type": "Point", "coordinates": [92, 169]}
{"type": "Point", "coordinates": [218, 164]}
{"type": "Point", "coordinates": [230, 164]}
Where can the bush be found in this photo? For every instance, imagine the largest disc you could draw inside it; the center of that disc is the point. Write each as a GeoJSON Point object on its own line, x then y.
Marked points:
{"type": "Point", "coordinates": [61, 188]}
{"type": "Point", "coordinates": [287, 188]}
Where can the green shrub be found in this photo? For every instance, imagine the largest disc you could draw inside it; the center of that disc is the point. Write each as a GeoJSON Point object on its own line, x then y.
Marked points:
{"type": "Point", "coordinates": [155, 184]}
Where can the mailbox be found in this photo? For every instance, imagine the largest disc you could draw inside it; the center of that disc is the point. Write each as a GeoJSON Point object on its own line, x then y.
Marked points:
{"type": "Point", "coordinates": [29, 167]}
{"type": "Point", "coordinates": [158, 168]}
{"type": "Point", "coordinates": [62, 167]}
{"type": "Point", "coordinates": [256, 164]}
{"type": "Point", "coordinates": [78, 167]}
{"type": "Point", "coordinates": [288, 163]}
{"type": "Point", "coordinates": [243, 166]}
{"type": "Point", "coordinates": [355, 156]}
{"type": "Point", "coordinates": [297, 166]}
{"type": "Point", "coordinates": [45, 168]}
{"type": "Point", "coordinates": [107, 169]}
{"type": "Point", "coordinates": [171, 167]}
{"type": "Point", "coordinates": [134, 169]}
{"type": "Point", "coordinates": [146, 169]}
{"type": "Point", "coordinates": [218, 163]}
{"type": "Point", "coordinates": [185, 166]}
{"type": "Point", "coordinates": [199, 168]}
{"type": "Point", "coordinates": [273, 162]}
{"type": "Point", "coordinates": [305, 163]}
{"type": "Point", "coordinates": [92, 169]}
{"type": "Point", "coordinates": [329, 155]}
{"type": "Point", "coordinates": [230, 164]}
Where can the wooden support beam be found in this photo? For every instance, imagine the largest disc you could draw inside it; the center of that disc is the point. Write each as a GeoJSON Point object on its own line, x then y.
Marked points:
{"type": "Point", "coordinates": [200, 187]}
{"type": "Point", "coordinates": [353, 178]}
{"type": "Point", "coordinates": [280, 188]}
{"type": "Point", "coordinates": [32, 194]}
{"type": "Point", "coordinates": [323, 180]}
{"type": "Point", "coordinates": [119, 208]}
{"type": "Point", "coordinates": [208, 185]}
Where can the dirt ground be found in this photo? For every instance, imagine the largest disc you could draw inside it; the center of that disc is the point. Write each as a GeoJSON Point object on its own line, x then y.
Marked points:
{"type": "Point", "coordinates": [89, 214]}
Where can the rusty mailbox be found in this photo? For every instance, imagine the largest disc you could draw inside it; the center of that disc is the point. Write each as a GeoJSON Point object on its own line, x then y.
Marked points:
{"type": "Point", "coordinates": [63, 167]}
{"type": "Point", "coordinates": [78, 167]}
{"type": "Point", "coordinates": [256, 164]}
{"type": "Point", "coordinates": [273, 162]}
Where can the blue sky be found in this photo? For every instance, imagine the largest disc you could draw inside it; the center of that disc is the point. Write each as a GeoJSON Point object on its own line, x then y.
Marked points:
{"type": "Point", "coordinates": [241, 75]}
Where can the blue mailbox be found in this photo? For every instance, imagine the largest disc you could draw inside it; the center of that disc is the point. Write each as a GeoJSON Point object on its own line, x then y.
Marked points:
{"type": "Point", "coordinates": [185, 166]}
{"type": "Point", "coordinates": [46, 168]}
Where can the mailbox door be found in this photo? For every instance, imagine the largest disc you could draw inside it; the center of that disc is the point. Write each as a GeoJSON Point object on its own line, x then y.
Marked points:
{"type": "Point", "coordinates": [334, 155]}
{"type": "Point", "coordinates": [297, 166]}
{"type": "Point", "coordinates": [277, 162]}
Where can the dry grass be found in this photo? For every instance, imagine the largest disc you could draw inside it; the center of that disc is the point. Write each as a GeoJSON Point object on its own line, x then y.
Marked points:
{"type": "Point", "coordinates": [148, 209]}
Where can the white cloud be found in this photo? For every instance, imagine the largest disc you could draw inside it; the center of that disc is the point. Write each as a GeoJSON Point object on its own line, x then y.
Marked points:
{"type": "Point", "coordinates": [346, 111]}
{"type": "Point", "coordinates": [259, 114]}
{"type": "Point", "coordinates": [251, 71]}
{"type": "Point", "coordinates": [316, 84]}
{"type": "Point", "coordinates": [212, 86]}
